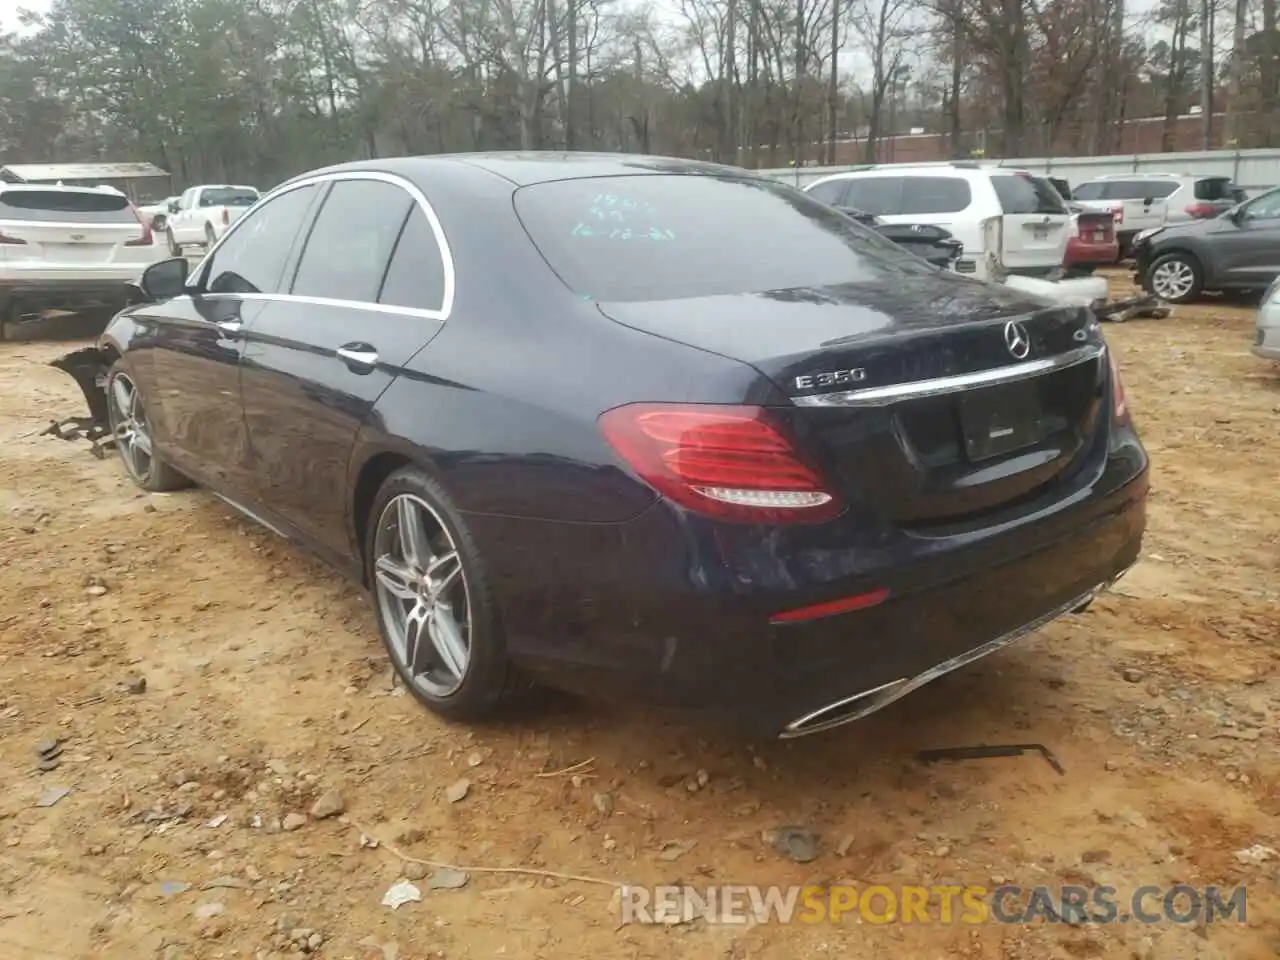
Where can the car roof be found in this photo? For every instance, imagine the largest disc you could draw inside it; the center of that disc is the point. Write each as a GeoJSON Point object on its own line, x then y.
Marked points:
{"type": "Point", "coordinates": [523, 168]}
{"type": "Point", "coordinates": [58, 188]}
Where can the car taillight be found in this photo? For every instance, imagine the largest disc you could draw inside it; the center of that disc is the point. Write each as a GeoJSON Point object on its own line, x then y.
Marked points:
{"type": "Point", "coordinates": [1117, 214]}
{"type": "Point", "coordinates": [1201, 210]}
{"type": "Point", "coordinates": [729, 462]}
{"type": "Point", "coordinates": [5, 238]}
{"type": "Point", "coordinates": [1119, 408]}
{"type": "Point", "coordinates": [146, 239]}
{"type": "Point", "coordinates": [226, 216]}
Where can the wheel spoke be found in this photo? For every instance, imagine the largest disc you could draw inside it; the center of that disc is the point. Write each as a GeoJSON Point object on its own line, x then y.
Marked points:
{"type": "Point", "coordinates": [442, 571]}
{"type": "Point", "coordinates": [123, 397]}
{"type": "Point", "coordinates": [142, 442]}
{"type": "Point", "coordinates": [448, 641]}
{"type": "Point", "coordinates": [413, 539]}
{"type": "Point", "coordinates": [395, 577]}
{"type": "Point", "coordinates": [417, 622]}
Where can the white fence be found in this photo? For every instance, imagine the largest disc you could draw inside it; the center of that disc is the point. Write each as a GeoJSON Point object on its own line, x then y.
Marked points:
{"type": "Point", "coordinates": [1254, 170]}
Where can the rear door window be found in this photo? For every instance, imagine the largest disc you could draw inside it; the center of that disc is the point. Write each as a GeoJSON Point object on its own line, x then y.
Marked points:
{"type": "Point", "coordinates": [58, 206]}
{"type": "Point", "coordinates": [831, 192]}
{"type": "Point", "coordinates": [350, 245]}
{"type": "Point", "coordinates": [1214, 188]}
{"type": "Point", "coordinates": [1090, 191]}
{"type": "Point", "coordinates": [1159, 189]}
{"type": "Point", "coordinates": [1020, 194]}
{"type": "Point", "coordinates": [669, 236]}
{"type": "Point", "coordinates": [927, 195]}
{"type": "Point", "coordinates": [881, 196]}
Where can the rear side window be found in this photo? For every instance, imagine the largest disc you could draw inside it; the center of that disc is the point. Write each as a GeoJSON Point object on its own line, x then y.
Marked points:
{"type": "Point", "coordinates": [415, 277]}
{"type": "Point", "coordinates": [881, 196]}
{"type": "Point", "coordinates": [227, 197]}
{"type": "Point", "coordinates": [830, 192]}
{"type": "Point", "coordinates": [1159, 189]}
{"type": "Point", "coordinates": [1214, 188]}
{"type": "Point", "coordinates": [669, 236]}
{"type": "Point", "coordinates": [1090, 191]}
{"type": "Point", "coordinates": [934, 195]}
{"type": "Point", "coordinates": [52, 206]}
{"type": "Point", "coordinates": [1020, 194]}
{"type": "Point", "coordinates": [347, 253]}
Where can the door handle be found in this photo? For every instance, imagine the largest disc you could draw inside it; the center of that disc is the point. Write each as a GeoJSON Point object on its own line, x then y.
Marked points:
{"type": "Point", "coordinates": [230, 326]}
{"type": "Point", "coordinates": [358, 355]}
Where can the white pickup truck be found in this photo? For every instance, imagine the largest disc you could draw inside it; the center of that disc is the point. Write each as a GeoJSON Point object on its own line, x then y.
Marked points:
{"type": "Point", "coordinates": [202, 214]}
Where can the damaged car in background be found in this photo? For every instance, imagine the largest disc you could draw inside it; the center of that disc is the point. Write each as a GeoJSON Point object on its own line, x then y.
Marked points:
{"type": "Point", "coordinates": [711, 445]}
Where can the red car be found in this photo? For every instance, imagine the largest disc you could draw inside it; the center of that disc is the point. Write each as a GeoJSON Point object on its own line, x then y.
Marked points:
{"type": "Point", "coordinates": [1092, 242]}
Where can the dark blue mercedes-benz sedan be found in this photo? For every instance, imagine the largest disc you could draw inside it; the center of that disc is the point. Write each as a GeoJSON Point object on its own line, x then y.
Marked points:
{"type": "Point", "coordinates": [640, 428]}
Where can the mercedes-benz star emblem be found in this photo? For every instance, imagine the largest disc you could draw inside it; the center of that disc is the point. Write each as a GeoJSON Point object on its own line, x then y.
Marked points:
{"type": "Point", "coordinates": [1017, 340]}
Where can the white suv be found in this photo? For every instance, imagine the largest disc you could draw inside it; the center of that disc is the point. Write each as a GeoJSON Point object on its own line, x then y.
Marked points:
{"type": "Point", "coordinates": [1007, 219]}
{"type": "Point", "coordinates": [68, 248]}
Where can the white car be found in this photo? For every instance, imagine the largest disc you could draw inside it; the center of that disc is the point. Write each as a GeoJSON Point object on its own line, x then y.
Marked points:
{"type": "Point", "coordinates": [1008, 220]}
{"type": "Point", "coordinates": [202, 214]}
{"type": "Point", "coordinates": [1266, 339]}
{"type": "Point", "coordinates": [157, 213]}
{"type": "Point", "coordinates": [81, 249]}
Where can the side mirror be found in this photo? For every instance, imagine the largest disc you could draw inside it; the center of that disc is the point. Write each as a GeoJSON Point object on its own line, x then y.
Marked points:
{"type": "Point", "coordinates": [1237, 215]}
{"type": "Point", "coordinates": [1148, 201]}
{"type": "Point", "coordinates": [173, 206]}
{"type": "Point", "coordinates": [166, 279]}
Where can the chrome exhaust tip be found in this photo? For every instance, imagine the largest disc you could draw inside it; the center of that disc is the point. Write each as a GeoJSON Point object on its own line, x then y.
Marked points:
{"type": "Point", "coordinates": [860, 705]}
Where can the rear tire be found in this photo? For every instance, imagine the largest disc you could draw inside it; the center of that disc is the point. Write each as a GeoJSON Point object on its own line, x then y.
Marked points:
{"type": "Point", "coordinates": [127, 416]}
{"type": "Point", "coordinates": [432, 596]}
{"type": "Point", "coordinates": [1175, 278]}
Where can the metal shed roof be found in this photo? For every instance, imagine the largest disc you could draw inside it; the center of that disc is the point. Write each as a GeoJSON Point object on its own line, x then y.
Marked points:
{"type": "Point", "coordinates": [50, 172]}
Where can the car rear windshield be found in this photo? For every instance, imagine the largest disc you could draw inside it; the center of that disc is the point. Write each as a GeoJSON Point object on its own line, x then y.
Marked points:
{"type": "Point", "coordinates": [670, 236]}
{"type": "Point", "coordinates": [1021, 194]}
{"type": "Point", "coordinates": [1215, 188]}
{"type": "Point", "coordinates": [228, 197]}
{"type": "Point", "coordinates": [67, 206]}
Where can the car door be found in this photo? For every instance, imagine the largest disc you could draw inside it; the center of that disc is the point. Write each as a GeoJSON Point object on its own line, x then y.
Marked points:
{"type": "Point", "coordinates": [368, 294]}
{"type": "Point", "coordinates": [1248, 247]}
{"type": "Point", "coordinates": [1037, 223]}
{"type": "Point", "coordinates": [180, 222]}
{"type": "Point", "coordinates": [196, 343]}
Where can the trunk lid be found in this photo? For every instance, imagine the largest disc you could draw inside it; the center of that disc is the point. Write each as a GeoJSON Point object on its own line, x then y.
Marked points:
{"type": "Point", "coordinates": [925, 409]}
{"type": "Point", "coordinates": [1036, 223]}
{"type": "Point", "coordinates": [64, 226]}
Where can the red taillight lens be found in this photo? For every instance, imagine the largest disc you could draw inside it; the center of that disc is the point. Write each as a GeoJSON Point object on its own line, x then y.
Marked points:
{"type": "Point", "coordinates": [146, 239]}
{"type": "Point", "coordinates": [1117, 214]}
{"type": "Point", "coordinates": [1201, 210]}
{"type": "Point", "coordinates": [730, 462]}
{"type": "Point", "coordinates": [1119, 408]}
{"type": "Point", "coordinates": [226, 216]}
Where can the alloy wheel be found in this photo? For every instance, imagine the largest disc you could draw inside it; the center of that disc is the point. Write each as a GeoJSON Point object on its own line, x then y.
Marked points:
{"type": "Point", "coordinates": [129, 427]}
{"type": "Point", "coordinates": [1173, 279]}
{"type": "Point", "coordinates": [422, 596]}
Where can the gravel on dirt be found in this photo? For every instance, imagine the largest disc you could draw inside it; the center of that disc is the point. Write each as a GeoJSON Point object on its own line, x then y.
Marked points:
{"type": "Point", "coordinates": [265, 685]}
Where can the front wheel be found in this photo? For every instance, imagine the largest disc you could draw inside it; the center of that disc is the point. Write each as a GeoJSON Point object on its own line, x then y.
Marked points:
{"type": "Point", "coordinates": [1176, 278]}
{"type": "Point", "coordinates": [175, 249]}
{"type": "Point", "coordinates": [431, 594]}
{"type": "Point", "coordinates": [132, 434]}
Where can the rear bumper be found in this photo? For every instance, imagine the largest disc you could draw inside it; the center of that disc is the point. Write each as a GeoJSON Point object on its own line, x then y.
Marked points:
{"type": "Point", "coordinates": [1266, 343]}
{"type": "Point", "coordinates": [1081, 254]}
{"type": "Point", "coordinates": [34, 290]}
{"type": "Point", "coordinates": [662, 610]}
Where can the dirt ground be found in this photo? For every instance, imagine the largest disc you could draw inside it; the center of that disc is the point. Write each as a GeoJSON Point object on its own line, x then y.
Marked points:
{"type": "Point", "coordinates": [266, 688]}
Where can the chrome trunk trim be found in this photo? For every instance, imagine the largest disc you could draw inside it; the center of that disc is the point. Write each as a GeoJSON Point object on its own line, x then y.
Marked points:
{"type": "Point", "coordinates": [938, 386]}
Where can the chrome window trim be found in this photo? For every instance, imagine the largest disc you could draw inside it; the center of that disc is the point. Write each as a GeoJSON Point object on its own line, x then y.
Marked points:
{"type": "Point", "coordinates": [446, 253]}
{"type": "Point", "coordinates": [939, 386]}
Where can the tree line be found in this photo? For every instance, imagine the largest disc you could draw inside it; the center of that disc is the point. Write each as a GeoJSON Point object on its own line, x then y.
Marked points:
{"type": "Point", "coordinates": [257, 90]}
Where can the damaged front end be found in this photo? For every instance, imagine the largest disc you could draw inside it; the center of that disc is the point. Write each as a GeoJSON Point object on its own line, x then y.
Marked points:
{"type": "Point", "coordinates": [88, 366]}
